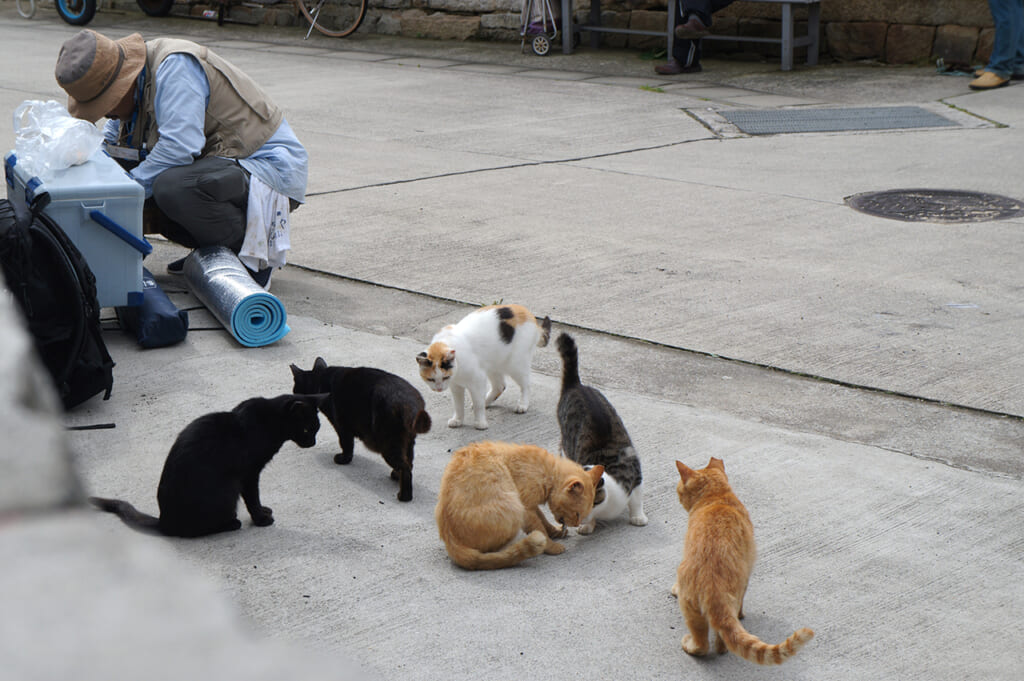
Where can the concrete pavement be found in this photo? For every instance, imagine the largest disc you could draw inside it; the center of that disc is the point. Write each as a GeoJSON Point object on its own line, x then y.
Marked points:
{"type": "Point", "coordinates": [868, 406]}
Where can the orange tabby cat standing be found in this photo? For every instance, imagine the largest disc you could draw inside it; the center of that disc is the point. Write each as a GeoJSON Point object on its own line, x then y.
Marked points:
{"type": "Point", "coordinates": [717, 559]}
{"type": "Point", "coordinates": [490, 491]}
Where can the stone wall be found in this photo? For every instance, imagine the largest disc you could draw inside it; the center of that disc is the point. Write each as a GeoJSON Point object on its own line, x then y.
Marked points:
{"type": "Point", "coordinates": [892, 31]}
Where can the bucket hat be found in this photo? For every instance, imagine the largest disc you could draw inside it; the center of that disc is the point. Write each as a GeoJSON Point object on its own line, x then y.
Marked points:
{"type": "Point", "coordinates": [98, 72]}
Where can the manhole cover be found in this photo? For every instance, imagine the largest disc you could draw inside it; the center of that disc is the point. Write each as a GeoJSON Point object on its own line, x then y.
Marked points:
{"type": "Point", "coordinates": [776, 121]}
{"type": "Point", "coordinates": [936, 205]}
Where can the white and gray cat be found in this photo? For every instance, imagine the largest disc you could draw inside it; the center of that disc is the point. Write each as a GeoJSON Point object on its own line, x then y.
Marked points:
{"type": "Point", "coordinates": [593, 434]}
{"type": "Point", "coordinates": [484, 347]}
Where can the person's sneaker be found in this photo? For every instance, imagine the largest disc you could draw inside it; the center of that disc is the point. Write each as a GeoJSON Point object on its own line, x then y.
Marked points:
{"type": "Point", "coordinates": [262, 277]}
{"type": "Point", "coordinates": [673, 68]}
{"type": "Point", "coordinates": [988, 81]}
{"type": "Point", "coordinates": [1013, 76]}
{"type": "Point", "coordinates": [693, 29]}
{"type": "Point", "coordinates": [176, 266]}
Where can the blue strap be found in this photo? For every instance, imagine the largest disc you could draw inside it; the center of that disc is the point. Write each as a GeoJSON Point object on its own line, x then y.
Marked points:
{"type": "Point", "coordinates": [141, 245]}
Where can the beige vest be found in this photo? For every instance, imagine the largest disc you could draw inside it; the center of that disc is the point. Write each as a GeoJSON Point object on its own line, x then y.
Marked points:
{"type": "Point", "coordinates": [240, 117]}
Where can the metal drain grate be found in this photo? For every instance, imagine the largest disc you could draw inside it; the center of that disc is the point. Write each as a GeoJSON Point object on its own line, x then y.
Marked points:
{"type": "Point", "coordinates": [936, 205]}
{"type": "Point", "coordinates": [773, 122]}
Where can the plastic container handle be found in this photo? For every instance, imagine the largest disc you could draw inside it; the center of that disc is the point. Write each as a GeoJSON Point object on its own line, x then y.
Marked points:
{"type": "Point", "coordinates": [141, 245]}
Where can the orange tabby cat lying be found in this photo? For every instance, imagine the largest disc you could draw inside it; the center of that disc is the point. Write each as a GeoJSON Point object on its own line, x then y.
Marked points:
{"type": "Point", "coordinates": [492, 490]}
{"type": "Point", "coordinates": [717, 559]}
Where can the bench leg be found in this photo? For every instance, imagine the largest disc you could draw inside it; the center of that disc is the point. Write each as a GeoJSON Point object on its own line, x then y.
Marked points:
{"type": "Point", "coordinates": [814, 33]}
{"type": "Point", "coordinates": [566, 26]}
{"type": "Point", "coordinates": [595, 20]}
{"type": "Point", "coordinates": [787, 36]}
{"type": "Point", "coordinates": [671, 34]}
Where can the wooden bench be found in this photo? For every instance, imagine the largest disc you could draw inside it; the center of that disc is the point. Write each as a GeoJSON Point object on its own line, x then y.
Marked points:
{"type": "Point", "coordinates": [788, 41]}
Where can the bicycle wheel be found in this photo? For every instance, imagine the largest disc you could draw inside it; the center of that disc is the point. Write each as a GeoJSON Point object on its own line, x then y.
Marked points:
{"type": "Point", "coordinates": [26, 8]}
{"type": "Point", "coordinates": [155, 8]}
{"type": "Point", "coordinates": [76, 12]}
{"type": "Point", "coordinates": [334, 18]}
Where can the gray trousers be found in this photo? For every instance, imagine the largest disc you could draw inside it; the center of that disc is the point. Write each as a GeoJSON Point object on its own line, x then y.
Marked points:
{"type": "Point", "coordinates": [201, 204]}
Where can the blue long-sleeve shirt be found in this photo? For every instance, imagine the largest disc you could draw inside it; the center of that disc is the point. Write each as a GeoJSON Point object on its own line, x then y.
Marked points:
{"type": "Point", "coordinates": [182, 95]}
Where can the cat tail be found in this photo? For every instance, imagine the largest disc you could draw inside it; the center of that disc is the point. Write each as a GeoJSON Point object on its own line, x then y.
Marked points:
{"type": "Point", "coordinates": [529, 546]}
{"type": "Point", "coordinates": [570, 361]}
{"type": "Point", "coordinates": [129, 514]}
{"type": "Point", "coordinates": [545, 332]}
{"type": "Point", "coordinates": [421, 424]}
{"type": "Point", "coordinates": [739, 641]}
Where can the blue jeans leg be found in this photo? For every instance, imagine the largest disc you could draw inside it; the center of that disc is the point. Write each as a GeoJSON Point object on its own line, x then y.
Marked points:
{"type": "Point", "coordinates": [1008, 44]}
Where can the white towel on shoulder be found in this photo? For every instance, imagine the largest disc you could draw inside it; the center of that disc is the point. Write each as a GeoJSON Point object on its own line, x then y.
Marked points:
{"type": "Point", "coordinates": [266, 240]}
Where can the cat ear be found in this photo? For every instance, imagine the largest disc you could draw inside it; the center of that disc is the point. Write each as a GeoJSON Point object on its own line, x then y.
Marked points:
{"type": "Point", "coordinates": [574, 488]}
{"type": "Point", "coordinates": [295, 371]}
{"type": "Point", "coordinates": [685, 472]}
{"type": "Point", "coordinates": [450, 355]}
{"type": "Point", "coordinates": [423, 360]}
{"type": "Point", "coordinates": [717, 463]}
{"type": "Point", "coordinates": [595, 474]}
{"type": "Point", "coordinates": [319, 363]}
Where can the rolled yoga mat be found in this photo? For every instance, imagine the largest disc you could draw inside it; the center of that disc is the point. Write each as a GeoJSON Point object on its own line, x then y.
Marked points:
{"type": "Point", "coordinates": [220, 281]}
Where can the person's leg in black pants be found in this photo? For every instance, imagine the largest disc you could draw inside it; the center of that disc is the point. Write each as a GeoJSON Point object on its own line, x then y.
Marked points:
{"type": "Point", "coordinates": [692, 22]}
{"type": "Point", "coordinates": [702, 9]}
{"type": "Point", "coordinates": [202, 204]}
{"type": "Point", "coordinates": [685, 53]}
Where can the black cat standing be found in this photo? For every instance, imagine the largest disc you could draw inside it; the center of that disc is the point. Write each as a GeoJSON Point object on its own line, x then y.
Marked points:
{"type": "Point", "coordinates": [383, 410]}
{"type": "Point", "coordinates": [218, 457]}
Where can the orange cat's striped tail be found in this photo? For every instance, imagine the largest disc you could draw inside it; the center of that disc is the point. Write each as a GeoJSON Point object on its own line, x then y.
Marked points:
{"type": "Point", "coordinates": [739, 641]}
{"type": "Point", "coordinates": [529, 546]}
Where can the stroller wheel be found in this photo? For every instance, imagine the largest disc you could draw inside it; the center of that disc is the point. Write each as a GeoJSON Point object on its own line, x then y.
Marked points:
{"type": "Point", "coordinates": [541, 45]}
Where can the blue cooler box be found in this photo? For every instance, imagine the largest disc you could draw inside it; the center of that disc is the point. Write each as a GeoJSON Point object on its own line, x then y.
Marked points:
{"type": "Point", "coordinates": [99, 206]}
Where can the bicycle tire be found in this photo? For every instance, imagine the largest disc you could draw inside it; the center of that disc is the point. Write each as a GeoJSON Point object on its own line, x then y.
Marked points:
{"type": "Point", "coordinates": [336, 19]}
{"type": "Point", "coordinates": [76, 12]}
{"type": "Point", "coordinates": [26, 8]}
{"type": "Point", "coordinates": [155, 8]}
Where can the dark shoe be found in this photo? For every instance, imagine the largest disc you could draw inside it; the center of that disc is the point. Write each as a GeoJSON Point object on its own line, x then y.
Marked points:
{"type": "Point", "coordinates": [673, 68]}
{"type": "Point", "coordinates": [262, 277]}
{"type": "Point", "coordinates": [177, 266]}
{"type": "Point", "coordinates": [693, 29]}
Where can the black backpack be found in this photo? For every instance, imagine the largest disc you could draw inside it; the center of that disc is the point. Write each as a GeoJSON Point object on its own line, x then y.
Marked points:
{"type": "Point", "coordinates": [56, 291]}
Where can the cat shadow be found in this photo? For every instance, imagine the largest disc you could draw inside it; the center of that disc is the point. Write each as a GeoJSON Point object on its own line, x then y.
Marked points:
{"type": "Point", "coordinates": [368, 471]}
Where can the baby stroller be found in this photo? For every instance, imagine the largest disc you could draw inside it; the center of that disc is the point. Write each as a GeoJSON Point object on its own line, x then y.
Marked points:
{"type": "Point", "coordinates": [539, 24]}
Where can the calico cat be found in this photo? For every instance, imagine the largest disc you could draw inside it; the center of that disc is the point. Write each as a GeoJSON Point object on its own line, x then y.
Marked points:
{"type": "Point", "coordinates": [593, 433]}
{"type": "Point", "coordinates": [490, 491]}
{"type": "Point", "coordinates": [381, 409]}
{"type": "Point", "coordinates": [717, 559]}
{"type": "Point", "coordinates": [486, 345]}
{"type": "Point", "coordinates": [217, 457]}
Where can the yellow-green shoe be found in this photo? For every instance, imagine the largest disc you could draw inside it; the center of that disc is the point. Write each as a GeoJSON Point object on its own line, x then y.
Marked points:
{"type": "Point", "coordinates": [988, 81]}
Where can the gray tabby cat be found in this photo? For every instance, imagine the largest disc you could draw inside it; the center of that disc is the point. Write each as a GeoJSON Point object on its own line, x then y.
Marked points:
{"type": "Point", "coordinates": [593, 434]}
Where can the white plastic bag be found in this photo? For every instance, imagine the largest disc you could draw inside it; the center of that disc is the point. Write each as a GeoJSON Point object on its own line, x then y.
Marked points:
{"type": "Point", "coordinates": [48, 138]}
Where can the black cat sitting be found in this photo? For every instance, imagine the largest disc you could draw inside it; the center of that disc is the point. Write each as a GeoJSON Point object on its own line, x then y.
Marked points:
{"type": "Point", "coordinates": [218, 457]}
{"type": "Point", "coordinates": [381, 409]}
